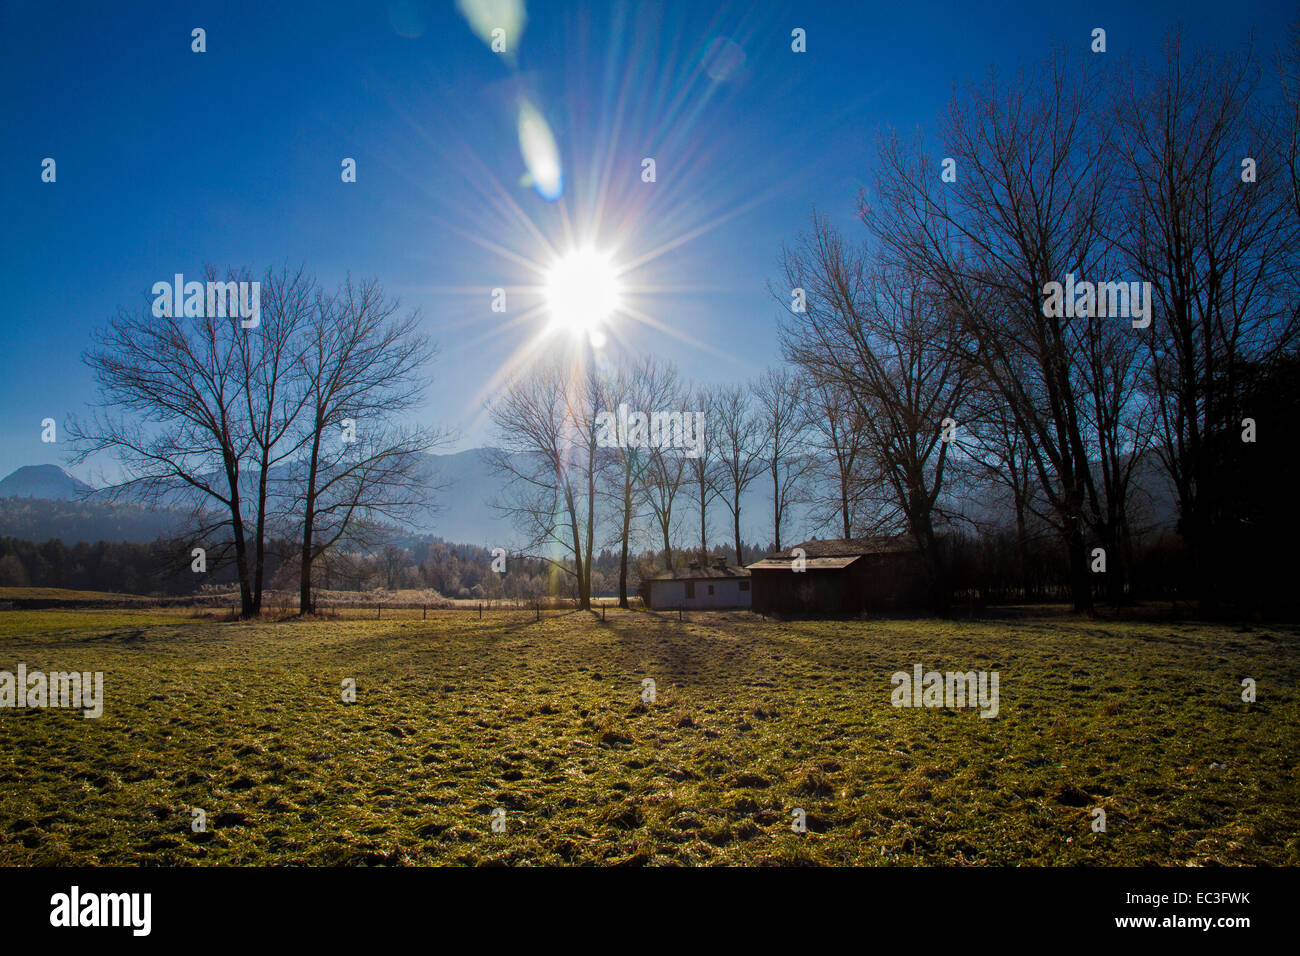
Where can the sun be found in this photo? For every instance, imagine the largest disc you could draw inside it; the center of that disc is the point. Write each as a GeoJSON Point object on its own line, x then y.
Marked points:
{"type": "Point", "coordinates": [583, 293]}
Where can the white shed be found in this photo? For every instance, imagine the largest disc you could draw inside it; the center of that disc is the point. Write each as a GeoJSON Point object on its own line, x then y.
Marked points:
{"type": "Point", "coordinates": [698, 587]}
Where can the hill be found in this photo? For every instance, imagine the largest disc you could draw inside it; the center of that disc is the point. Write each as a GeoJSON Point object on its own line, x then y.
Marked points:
{"type": "Point", "coordinates": [43, 481]}
{"type": "Point", "coordinates": [41, 502]}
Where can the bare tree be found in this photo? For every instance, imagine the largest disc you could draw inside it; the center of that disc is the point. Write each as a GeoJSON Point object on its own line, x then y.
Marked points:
{"type": "Point", "coordinates": [546, 422]}
{"type": "Point", "coordinates": [995, 447]}
{"type": "Point", "coordinates": [663, 481]}
{"type": "Point", "coordinates": [1288, 63]}
{"type": "Point", "coordinates": [1118, 419]}
{"type": "Point", "coordinates": [173, 390]}
{"type": "Point", "coordinates": [702, 471]}
{"type": "Point", "coordinates": [837, 437]}
{"type": "Point", "coordinates": [1034, 184]}
{"type": "Point", "coordinates": [362, 465]}
{"type": "Point", "coordinates": [1220, 252]}
{"type": "Point", "coordinates": [273, 391]}
{"type": "Point", "coordinates": [782, 415]}
{"type": "Point", "coordinates": [666, 465]}
{"type": "Point", "coordinates": [888, 340]}
{"type": "Point", "coordinates": [640, 388]}
{"type": "Point", "coordinates": [392, 561]}
{"type": "Point", "coordinates": [736, 432]}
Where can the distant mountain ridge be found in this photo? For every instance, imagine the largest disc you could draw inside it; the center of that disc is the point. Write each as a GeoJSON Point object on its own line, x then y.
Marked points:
{"type": "Point", "coordinates": [43, 481]}
{"type": "Point", "coordinates": [41, 502]}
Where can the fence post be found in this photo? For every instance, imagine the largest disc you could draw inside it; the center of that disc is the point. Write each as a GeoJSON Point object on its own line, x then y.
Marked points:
{"type": "Point", "coordinates": [381, 612]}
{"type": "Point", "coordinates": [426, 613]}
{"type": "Point", "coordinates": [480, 610]}
{"type": "Point", "coordinates": [602, 612]}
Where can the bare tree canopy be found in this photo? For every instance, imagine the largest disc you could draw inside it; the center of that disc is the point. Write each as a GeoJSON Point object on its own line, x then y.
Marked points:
{"type": "Point", "coordinates": [546, 424]}
{"type": "Point", "coordinates": [886, 339]}
{"type": "Point", "coordinates": [362, 463]}
{"type": "Point", "coordinates": [234, 419]}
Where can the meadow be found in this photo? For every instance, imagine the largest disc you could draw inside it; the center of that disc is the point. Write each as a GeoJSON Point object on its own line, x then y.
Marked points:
{"type": "Point", "coordinates": [540, 727]}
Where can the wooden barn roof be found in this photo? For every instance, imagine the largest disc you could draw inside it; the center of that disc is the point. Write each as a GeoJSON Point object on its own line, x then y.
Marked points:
{"type": "Point", "coordinates": [810, 564]}
{"type": "Point", "coordinates": [849, 547]}
{"type": "Point", "coordinates": [713, 573]}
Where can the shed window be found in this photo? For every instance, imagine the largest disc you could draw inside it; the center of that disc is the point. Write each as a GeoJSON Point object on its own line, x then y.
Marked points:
{"type": "Point", "coordinates": [744, 585]}
{"type": "Point", "coordinates": [710, 589]}
{"type": "Point", "coordinates": [690, 589]}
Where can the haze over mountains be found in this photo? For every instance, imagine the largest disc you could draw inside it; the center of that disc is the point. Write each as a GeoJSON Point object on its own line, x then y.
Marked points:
{"type": "Point", "coordinates": [40, 502]}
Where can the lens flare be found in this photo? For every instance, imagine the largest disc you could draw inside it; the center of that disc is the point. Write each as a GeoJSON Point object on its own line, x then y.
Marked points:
{"type": "Point", "coordinates": [541, 155]}
{"type": "Point", "coordinates": [724, 59]}
{"type": "Point", "coordinates": [484, 16]}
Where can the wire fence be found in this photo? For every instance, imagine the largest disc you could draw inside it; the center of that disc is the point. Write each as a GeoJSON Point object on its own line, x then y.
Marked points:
{"type": "Point", "coordinates": [406, 611]}
{"type": "Point", "coordinates": [227, 606]}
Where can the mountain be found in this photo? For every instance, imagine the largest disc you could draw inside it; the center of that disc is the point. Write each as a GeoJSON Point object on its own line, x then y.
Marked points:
{"type": "Point", "coordinates": [40, 502]}
{"type": "Point", "coordinates": [43, 481]}
{"type": "Point", "coordinates": [43, 502]}
{"type": "Point", "coordinates": [464, 513]}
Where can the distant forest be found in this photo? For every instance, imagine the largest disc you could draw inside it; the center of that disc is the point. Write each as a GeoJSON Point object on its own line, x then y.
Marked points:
{"type": "Point", "coordinates": [44, 519]}
{"type": "Point", "coordinates": [162, 568]}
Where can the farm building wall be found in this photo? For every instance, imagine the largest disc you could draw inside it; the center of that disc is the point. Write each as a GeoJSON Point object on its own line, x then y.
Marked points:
{"type": "Point", "coordinates": [667, 595]}
{"type": "Point", "coordinates": [871, 583]}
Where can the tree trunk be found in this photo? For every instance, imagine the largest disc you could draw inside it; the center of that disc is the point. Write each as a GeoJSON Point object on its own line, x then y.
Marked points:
{"type": "Point", "coordinates": [622, 561]}
{"type": "Point", "coordinates": [704, 525]}
{"type": "Point", "coordinates": [308, 526]}
{"type": "Point", "coordinates": [259, 546]}
{"type": "Point", "coordinates": [739, 560]}
{"type": "Point", "coordinates": [844, 510]}
{"type": "Point", "coordinates": [776, 506]}
{"type": "Point", "coordinates": [304, 576]}
{"type": "Point", "coordinates": [577, 552]}
{"type": "Point", "coordinates": [584, 596]}
{"type": "Point", "coordinates": [247, 607]}
{"type": "Point", "coordinates": [923, 532]}
{"type": "Point", "coordinates": [1080, 581]}
{"type": "Point", "coordinates": [1022, 549]}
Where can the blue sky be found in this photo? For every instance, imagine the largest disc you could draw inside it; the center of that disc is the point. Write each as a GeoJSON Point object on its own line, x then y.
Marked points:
{"type": "Point", "coordinates": [168, 159]}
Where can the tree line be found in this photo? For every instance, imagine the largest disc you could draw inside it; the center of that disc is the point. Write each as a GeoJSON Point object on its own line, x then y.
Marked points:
{"type": "Point", "coordinates": [926, 369]}
{"type": "Point", "coordinates": [570, 494]}
{"type": "Point", "coordinates": [162, 567]}
{"type": "Point", "coordinates": [1180, 175]}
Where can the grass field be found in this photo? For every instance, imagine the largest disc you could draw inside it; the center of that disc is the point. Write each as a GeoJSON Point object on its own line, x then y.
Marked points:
{"type": "Point", "coordinates": [456, 718]}
{"type": "Point", "coordinates": [65, 594]}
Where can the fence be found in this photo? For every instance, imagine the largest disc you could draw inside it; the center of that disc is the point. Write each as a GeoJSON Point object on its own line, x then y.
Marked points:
{"type": "Point", "coordinates": [380, 611]}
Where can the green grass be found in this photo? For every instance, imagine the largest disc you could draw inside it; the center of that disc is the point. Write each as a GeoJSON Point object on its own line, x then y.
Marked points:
{"type": "Point", "coordinates": [65, 594]}
{"type": "Point", "coordinates": [753, 718]}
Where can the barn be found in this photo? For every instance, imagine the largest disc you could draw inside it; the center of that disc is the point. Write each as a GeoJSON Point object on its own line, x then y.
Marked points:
{"type": "Point", "coordinates": [840, 576]}
{"type": "Point", "coordinates": [697, 586]}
